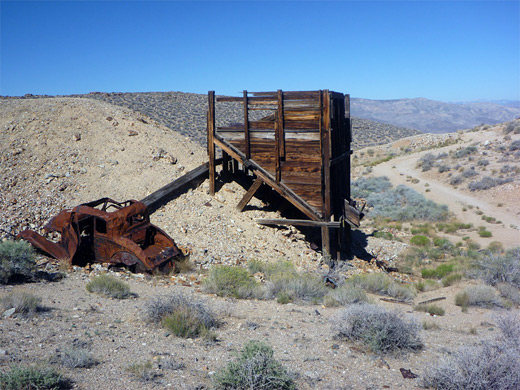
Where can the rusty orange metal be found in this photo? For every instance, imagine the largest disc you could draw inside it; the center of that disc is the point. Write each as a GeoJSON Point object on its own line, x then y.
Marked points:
{"type": "Point", "coordinates": [106, 231]}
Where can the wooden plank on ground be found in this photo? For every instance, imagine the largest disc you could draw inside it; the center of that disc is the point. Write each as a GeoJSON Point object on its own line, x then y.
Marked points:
{"type": "Point", "coordinates": [296, 222]}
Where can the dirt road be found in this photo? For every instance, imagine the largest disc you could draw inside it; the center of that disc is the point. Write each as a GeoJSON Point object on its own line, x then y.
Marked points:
{"type": "Point", "coordinates": [400, 169]}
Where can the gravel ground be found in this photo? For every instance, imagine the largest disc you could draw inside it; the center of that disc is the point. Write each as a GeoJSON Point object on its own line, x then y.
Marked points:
{"type": "Point", "coordinates": [60, 152]}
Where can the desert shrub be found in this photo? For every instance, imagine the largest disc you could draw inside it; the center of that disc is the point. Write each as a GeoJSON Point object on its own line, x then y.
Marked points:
{"type": "Point", "coordinates": [17, 260]}
{"type": "Point", "coordinates": [451, 279]}
{"type": "Point", "coordinates": [509, 292]}
{"type": "Point", "coordinates": [471, 172]}
{"type": "Point", "coordinates": [109, 286]}
{"type": "Point", "coordinates": [483, 162]}
{"type": "Point", "coordinates": [515, 145]}
{"type": "Point", "coordinates": [380, 330]}
{"type": "Point", "coordinates": [231, 281]}
{"type": "Point", "coordinates": [485, 233]}
{"type": "Point", "coordinates": [254, 368]}
{"type": "Point", "coordinates": [487, 182]}
{"type": "Point", "coordinates": [444, 168]}
{"type": "Point", "coordinates": [307, 287]}
{"type": "Point", "coordinates": [345, 295]}
{"type": "Point", "coordinates": [507, 169]}
{"type": "Point", "coordinates": [426, 285]}
{"type": "Point", "coordinates": [432, 309]}
{"type": "Point", "coordinates": [420, 240]}
{"type": "Point", "coordinates": [427, 162]}
{"type": "Point", "coordinates": [495, 267]}
{"type": "Point", "coordinates": [443, 243]}
{"type": "Point", "coordinates": [402, 203]}
{"type": "Point", "coordinates": [363, 187]}
{"type": "Point", "coordinates": [479, 295]}
{"type": "Point", "coordinates": [464, 152]}
{"type": "Point", "coordinates": [143, 371]}
{"type": "Point", "coordinates": [32, 377]}
{"type": "Point", "coordinates": [379, 283]}
{"type": "Point", "coordinates": [452, 227]}
{"type": "Point", "coordinates": [183, 316]}
{"type": "Point", "coordinates": [439, 272]}
{"type": "Point", "coordinates": [23, 302]}
{"type": "Point", "coordinates": [456, 180]}
{"type": "Point", "coordinates": [491, 365]}
{"type": "Point", "coordinates": [77, 358]}
{"type": "Point", "coordinates": [512, 127]}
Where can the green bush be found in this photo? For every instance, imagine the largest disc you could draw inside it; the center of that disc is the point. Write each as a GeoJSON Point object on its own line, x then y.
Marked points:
{"type": "Point", "coordinates": [40, 378]}
{"type": "Point", "coordinates": [380, 330]}
{"type": "Point", "coordinates": [420, 240]}
{"type": "Point", "coordinates": [451, 279]}
{"type": "Point", "coordinates": [231, 281]}
{"type": "Point", "coordinates": [23, 302]}
{"type": "Point", "coordinates": [109, 286]}
{"type": "Point", "coordinates": [17, 261]}
{"type": "Point", "coordinates": [485, 233]}
{"type": "Point", "coordinates": [437, 273]}
{"type": "Point", "coordinates": [254, 368]}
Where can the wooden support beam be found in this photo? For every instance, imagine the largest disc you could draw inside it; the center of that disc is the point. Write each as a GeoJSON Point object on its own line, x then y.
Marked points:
{"type": "Point", "coordinates": [211, 143]}
{"type": "Point", "coordinates": [325, 241]}
{"type": "Point", "coordinates": [278, 135]}
{"type": "Point", "coordinates": [246, 127]}
{"type": "Point", "coordinates": [162, 195]}
{"type": "Point", "coordinates": [249, 194]}
{"type": "Point", "coordinates": [225, 162]}
{"type": "Point", "coordinates": [297, 222]}
{"type": "Point", "coordinates": [325, 155]}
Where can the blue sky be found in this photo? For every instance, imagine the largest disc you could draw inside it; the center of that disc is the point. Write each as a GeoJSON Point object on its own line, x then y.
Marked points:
{"type": "Point", "coordinates": [442, 50]}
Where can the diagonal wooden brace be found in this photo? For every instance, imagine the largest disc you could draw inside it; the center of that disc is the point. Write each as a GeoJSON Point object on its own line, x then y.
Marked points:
{"type": "Point", "coordinates": [249, 194]}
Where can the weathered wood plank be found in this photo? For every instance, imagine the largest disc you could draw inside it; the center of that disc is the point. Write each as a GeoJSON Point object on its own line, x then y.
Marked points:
{"type": "Point", "coordinates": [211, 144]}
{"type": "Point", "coordinates": [246, 127]}
{"type": "Point", "coordinates": [249, 194]}
{"type": "Point", "coordinates": [296, 222]}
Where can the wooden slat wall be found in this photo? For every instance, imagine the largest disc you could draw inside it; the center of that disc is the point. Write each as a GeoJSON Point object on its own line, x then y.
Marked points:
{"type": "Point", "coordinates": [293, 143]}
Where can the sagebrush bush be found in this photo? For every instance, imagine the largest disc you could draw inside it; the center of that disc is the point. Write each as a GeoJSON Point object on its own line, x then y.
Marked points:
{"type": "Point", "coordinates": [380, 330]}
{"type": "Point", "coordinates": [77, 358]}
{"type": "Point", "coordinates": [465, 152]}
{"type": "Point", "coordinates": [109, 286]}
{"type": "Point", "coordinates": [487, 182]}
{"type": "Point", "coordinates": [451, 279]}
{"type": "Point", "coordinates": [32, 377]}
{"type": "Point", "coordinates": [379, 283]}
{"type": "Point", "coordinates": [143, 371]}
{"type": "Point", "coordinates": [496, 267]}
{"type": "Point", "coordinates": [491, 365]}
{"type": "Point", "coordinates": [412, 205]}
{"type": "Point", "coordinates": [17, 261]}
{"type": "Point", "coordinates": [231, 281]}
{"type": "Point", "coordinates": [255, 368]}
{"type": "Point", "coordinates": [182, 315]}
{"type": "Point", "coordinates": [439, 272]}
{"type": "Point", "coordinates": [364, 186]}
{"type": "Point", "coordinates": [431, 309]}
{"type": "Point", "coordinates": [302, 286]}
{"type": "Point", "coordinates": [479, 295]}
{"type": "Point", "coordinates": [23, 302]}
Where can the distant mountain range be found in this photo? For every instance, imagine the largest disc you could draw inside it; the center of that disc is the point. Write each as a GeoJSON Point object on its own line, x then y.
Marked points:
{"type": "Point", "coordinates": [433, 116]}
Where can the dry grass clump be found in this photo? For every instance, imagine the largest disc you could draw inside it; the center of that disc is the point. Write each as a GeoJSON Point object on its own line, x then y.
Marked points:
{"type": "Point", "coordinates": [345, 295]}
{"type": "Point", "coordinates": [380, 330]}
{"type": "Point", "coordinates": [109, 286]}
{"type": "Point", "coordinates": [379, 283]}
{"type": "Point", "coordinates": [492, 365]}
{"type": "Point", "coordinates": [77, 357]}
{"type": "Point", "coordinates": [479, 295]}
{"type": "Point", "coordinates": [254, 368]}
{"type": "Point", "coordinates": [432, 309]}
{"type": "Point", "coordinates": [183, 316]}
{"type": "Point", "coordinates": [17, 261]}
{"type": "Point", "coordinates": [143, 371]}
{"type": "Point", "coordinates": [22, 302]}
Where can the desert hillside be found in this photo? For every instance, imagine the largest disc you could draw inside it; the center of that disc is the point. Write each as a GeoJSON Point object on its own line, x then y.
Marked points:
{"type": "Point", "coordinates": [422, 276]}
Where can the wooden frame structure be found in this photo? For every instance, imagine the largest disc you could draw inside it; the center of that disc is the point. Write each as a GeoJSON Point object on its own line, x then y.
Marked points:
{"type": "Point", "coordinates": [298, 143]}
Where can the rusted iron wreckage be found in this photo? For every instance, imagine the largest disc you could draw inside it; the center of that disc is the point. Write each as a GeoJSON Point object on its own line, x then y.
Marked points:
{"type": "Point", "coordinates": [298, 143]}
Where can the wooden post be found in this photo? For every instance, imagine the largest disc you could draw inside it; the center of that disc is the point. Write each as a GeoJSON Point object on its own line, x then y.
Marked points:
{"type": "Point", "coordinates": [249, 194]}
{"type": "Point", "coordinates": [225, 162]}
{"type": "Point", "coordinates": [325, 163]}
{"type": "Point", "coordinates": [211, 144]}
{"type": "Point", "coordinates": [246, 127]}
{"type": "Point", "coordinates": [278, 137]}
